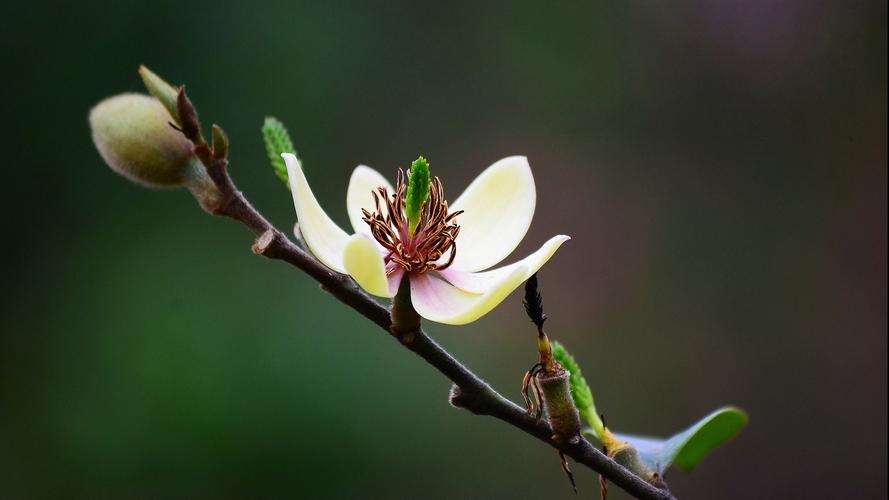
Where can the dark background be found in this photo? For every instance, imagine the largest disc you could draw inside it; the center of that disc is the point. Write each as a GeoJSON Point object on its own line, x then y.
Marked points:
{"type": "Point", "coordinates": [721, 166]}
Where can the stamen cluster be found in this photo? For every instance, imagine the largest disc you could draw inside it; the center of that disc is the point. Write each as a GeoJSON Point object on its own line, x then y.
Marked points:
{"type": "Point", "coordinates": [433, 238]}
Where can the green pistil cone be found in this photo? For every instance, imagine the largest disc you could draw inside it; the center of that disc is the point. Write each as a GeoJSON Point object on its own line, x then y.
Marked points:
{"type": "Point", "coordinates": [277, 141]}
{"type": "Point", "coordinates": [417, 192]}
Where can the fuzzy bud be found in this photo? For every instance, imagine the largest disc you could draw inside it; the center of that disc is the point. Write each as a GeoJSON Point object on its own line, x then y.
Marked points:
{"type": "Point", "coordinates": [133, 134]}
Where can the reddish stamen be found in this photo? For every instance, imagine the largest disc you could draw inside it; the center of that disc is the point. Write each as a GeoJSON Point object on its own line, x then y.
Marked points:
{"type": "Point", "coordinates": [434, 237]}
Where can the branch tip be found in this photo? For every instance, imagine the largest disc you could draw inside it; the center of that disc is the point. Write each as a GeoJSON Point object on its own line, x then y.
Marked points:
{"type": "Point", "coordinates": [468, 391]}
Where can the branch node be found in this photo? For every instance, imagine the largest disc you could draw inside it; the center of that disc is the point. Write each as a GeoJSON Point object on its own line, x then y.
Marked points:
{"type": "Point", "coordinates": [264, 242]}
{"type": "Point", "coordinates": [455, 396]}
{"type": "Point", "coordinates": [559, 407]}
{"type": "Point", "coordinates": [475, 402]}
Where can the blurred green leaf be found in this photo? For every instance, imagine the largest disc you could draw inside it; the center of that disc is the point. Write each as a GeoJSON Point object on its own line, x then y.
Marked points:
{"type": "Point", "coordinates": [690, 446]}
{"type": "Point", "coordinates": [277, 141]}
{"type": "Point", "coordinates": [685, 449]}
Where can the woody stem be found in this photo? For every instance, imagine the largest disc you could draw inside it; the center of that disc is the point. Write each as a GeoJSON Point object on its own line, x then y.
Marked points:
{"type": "Point", "coordinates": [470, 392]}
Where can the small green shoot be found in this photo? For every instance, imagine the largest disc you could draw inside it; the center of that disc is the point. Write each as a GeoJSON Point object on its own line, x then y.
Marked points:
{"type": "Point", "coordinates": [277, 141]}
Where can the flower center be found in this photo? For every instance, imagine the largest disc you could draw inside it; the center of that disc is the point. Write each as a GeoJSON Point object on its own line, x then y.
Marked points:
{"type": "Point", "coordinates": [431, 245]}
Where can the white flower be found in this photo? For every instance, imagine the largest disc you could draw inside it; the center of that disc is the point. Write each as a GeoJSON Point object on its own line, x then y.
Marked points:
{"type": "Point", "coordinates": [446, 257]}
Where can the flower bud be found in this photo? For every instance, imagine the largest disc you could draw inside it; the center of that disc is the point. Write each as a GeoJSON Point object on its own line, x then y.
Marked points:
{"type": "Point", "coordinates": [133, 134]}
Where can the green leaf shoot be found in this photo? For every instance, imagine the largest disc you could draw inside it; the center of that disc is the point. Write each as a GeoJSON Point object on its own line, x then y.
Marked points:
{"type": "Point", "coordinates": [277, 141]}
{"type": "Point", "coordinates": [162, 91]}
{"type": "Point", "coordinates": [580, 390]}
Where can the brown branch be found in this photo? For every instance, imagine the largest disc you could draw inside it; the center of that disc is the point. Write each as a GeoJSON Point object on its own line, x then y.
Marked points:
{"type": "Point", "coordinates": [469, 391]}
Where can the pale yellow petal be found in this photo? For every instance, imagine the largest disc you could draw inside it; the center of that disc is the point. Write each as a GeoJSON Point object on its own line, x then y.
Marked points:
{"type": "Point", "coordinates": [323, 237]}
{"type": "Point", "coordinates": [499, 205]}
{"type": "Point", "coordinates": [364, 263]}
{"type": "Point", "coordinates": [437, 300]}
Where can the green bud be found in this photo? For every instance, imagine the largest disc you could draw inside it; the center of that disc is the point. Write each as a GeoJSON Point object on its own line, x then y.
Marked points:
{"type": "Point", "coordinates": [220, 142]}
{"type": "Point", "coordinates": [133, 134]}
{"type": "Point", "coordinates": [417, 192]}
{"type": "Point", "coordinates": [163, 91]}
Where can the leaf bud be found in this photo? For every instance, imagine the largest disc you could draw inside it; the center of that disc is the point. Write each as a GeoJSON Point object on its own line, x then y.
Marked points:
{"type": "Point", "coordinates": [163, 91]}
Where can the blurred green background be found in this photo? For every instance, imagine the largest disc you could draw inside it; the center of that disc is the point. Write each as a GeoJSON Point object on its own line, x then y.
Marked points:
{"type": "Point", "coordinates": [721, 166]}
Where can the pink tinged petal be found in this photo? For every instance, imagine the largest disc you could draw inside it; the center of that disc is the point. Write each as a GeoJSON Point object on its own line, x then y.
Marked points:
{"type": "Point", "coordinates": [483, 281]}
{"type": "Point", "coordinates": [362, 184]}
{"type": "Point", "coordinates": [499, 205]}
{"type": "Point", "coordinates": [395, 277]}
{"type": "Point", "coordinates": [323, 237]}
{"type": "Point", "coordinates": [437, 300]}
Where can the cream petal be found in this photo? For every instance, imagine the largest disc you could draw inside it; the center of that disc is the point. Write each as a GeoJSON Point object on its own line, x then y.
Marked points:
{"type": "Point", "coordinates": [364, 263]}
{"type": "Point", "coordinates": [323, 237]}
{"type": "Point", "coordinates": [437, 300]}
{"type": "Point", "coordinates": [499, 205]}
{"type": "Point", "coordinates": [364, 181]}
{"type": "Point", "coordinates": [481, 282]}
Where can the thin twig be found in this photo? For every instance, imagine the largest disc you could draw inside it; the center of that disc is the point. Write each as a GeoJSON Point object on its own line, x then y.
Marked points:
{"type": "Point", "coordinates": [470, 392]}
